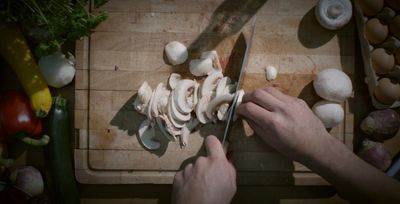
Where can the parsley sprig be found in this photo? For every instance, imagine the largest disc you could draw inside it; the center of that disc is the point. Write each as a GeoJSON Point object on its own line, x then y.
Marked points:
{"type": "Point", "coordinates": [52, 22]}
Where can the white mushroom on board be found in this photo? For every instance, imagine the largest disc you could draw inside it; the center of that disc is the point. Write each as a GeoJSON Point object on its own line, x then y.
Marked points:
{"type": "Point", "coordinates": [173, 80]}
{"type": "Point", "coordinates": [183, 92]}
{"type": "Point", "coordinates": [213, 55]}
{"type": "Point", "coordinates": [330, 113]}
{"type": "Point", "coordinates": [216, 103]}
{"type": "Point", "coordinates": [176, 52]}
{"type": "Point", "coordinates": [201, 67]}
{"type": "Point", "coordinates": [333, 14]}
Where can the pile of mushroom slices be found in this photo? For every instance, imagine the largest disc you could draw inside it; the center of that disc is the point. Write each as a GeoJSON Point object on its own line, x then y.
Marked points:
{"type": "Point", "coordinates": [174, 111]}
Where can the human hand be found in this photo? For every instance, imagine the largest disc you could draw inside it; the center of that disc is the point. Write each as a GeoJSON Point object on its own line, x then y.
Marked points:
{"type": "Point", "coordinates": [211, 179]}
{"type": "Point", "coordinates": [285, 122]}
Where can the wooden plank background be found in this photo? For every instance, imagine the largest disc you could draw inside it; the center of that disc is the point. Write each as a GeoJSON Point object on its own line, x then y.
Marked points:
{"type": "Point", "coordinates": [128, 47]}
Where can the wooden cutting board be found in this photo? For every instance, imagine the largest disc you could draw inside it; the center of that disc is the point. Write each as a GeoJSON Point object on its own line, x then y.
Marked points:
{"type": "Point", "coordinates": [127, 49]}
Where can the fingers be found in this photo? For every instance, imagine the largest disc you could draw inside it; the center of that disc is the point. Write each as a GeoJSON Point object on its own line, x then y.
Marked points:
{"type": "Point", "coordinates": [277, 94]}
{"type": "Point", "coordinates": [263, 99]}
{"type": "Point", "coordinates": [255, 113]}
{"type": "Point", "coordinates": [214, 147]}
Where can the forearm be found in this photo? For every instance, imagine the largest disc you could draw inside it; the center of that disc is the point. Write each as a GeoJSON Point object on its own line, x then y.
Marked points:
{"type": "Point", "coordinates": [355, 180]}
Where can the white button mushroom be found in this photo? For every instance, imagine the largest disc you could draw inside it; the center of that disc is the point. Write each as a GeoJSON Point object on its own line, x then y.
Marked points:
{"type": "Point", "coordinates": [330, 113]}
{"type": "Point", "coordinates": [333, 14]}
{"type": "Point", "coordinates": [333, 85]}
{"type": "Point", "coordinates": [201, 67]}
{"type": "Point", "coordinates": [176, 52]}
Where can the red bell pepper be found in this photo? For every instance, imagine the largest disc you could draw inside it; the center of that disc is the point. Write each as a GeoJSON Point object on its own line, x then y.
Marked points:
{"type": "Point", "coordinates": [18, 120]}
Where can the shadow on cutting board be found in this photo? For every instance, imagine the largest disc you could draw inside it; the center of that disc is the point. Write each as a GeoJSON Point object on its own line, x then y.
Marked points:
{"type": "Point", "coordinates": [226, 20]}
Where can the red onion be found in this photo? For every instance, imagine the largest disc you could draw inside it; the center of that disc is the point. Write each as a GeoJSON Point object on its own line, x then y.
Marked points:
{"type": "Point", "coordinates": [376, 154]}
{"type": "Point", "coordinates": [381, 124]}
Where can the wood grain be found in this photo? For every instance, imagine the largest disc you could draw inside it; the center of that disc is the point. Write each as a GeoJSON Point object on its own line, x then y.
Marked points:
{"type": "Point", "coordinates": [127, 49]}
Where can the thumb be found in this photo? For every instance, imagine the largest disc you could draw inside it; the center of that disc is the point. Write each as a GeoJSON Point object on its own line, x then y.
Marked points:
{"type": "Point", "coordinates": [214, 147]}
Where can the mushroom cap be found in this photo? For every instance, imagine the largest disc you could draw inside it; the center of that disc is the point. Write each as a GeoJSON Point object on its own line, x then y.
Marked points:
{"type": "Point", "coordinates": [176, 52]}
{"type": "Point", "coordinates": [330, 113]}
{"type": "Point", "coordinates": [333, 14]}
{"type": "Point", "coordinates": [201, 67]}
{"type": "Point", "coordinates": [333, 85]}
{"type": "Point", "coordinates": [382, 62]}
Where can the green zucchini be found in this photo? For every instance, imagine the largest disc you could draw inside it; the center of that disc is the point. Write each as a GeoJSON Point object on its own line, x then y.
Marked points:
{"type": "Point", "coordinates": [58, 154]}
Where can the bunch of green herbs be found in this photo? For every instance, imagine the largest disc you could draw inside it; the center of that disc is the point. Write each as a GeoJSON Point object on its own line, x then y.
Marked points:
{"type": "Point", "coordinates": [52, 22]}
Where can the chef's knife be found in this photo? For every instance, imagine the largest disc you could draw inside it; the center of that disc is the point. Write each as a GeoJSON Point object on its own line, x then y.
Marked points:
{"type": "Point", "coordinates": [232, 110]}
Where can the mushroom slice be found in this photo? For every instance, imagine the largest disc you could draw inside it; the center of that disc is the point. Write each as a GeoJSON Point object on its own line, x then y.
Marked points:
{"type": "Point", "coordinates": [173, 80]}
{"type": "Point", "coordinates": [177, 122]}
{"type": "Point", "coordinates": [201, 109]}
{"type": "Point", "coordinates": [196, 94]}
{"type": "Point", "coordinates": [147, 134]}
{"type": "Point", "coordinates": [149, 111]}
{"type": "Point", "coordinates": [201, 67]}
{"type": "Point", "coordinates": [142, 100]}
{"type": "Point", "coordinates": [156, 98]}
{"type": "Point", "coordinates": [176, 114]}
{"type": "Point", "coordinates": [210, 83]}
{"type": "Point", "coordinates": [161, 125]}
{"type": "Point", "coordinates": [240, 94]}
{"type": "Point", "coordinates": [215, 103]}
{"type": "Point", "coordinates": [186, 130]}
{"type": "Point", "coordinates": [222, 111]}
{"type": "Point", "coordinates": [182, 94]}
{"type": "Point", "coordinates": [171, 129]}
{"type": "Point", "coordinates": [222, 84]}
{"type": "Point", "coordinates": [162, 105]}
{"type": "Point", "coordinates": [214, 57]}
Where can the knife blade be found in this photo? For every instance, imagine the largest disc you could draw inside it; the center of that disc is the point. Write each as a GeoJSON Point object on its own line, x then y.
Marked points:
{"type": "Point", "coordinates": [232, 109]}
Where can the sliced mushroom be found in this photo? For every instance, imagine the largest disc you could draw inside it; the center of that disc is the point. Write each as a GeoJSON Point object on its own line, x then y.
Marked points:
{"type": "Point", "coordinates": [162, 105]}
{"type": "Point", "coordinates": [186, 130]}
{"type": "Point", "coordinates": [222, 84]}
{"type": "Point", "coordinates": [215, 59]}
{"type": "Point", "coordinates": [222, 111]}
{"type": "Point", "coordinates": [201, 67]}
{"type": "Point", "coordinates": [176, 114]}
{"type": "Point", "coordinates": [201, 109]}
{"type": "Point", "coordinates": [210, 83]}
{"type": "Point", "coordinates": [173, 80]}
{"type": "Point", "coordinates": [240, 94]}
{"type": "Point", "coordinates": [142, 100]}
{"type": "Point", "coordinates": [149, 109]}
{"type": "Point", "coordinates": [177, 122]}
{"type": "Point", "coordinates": [156, 98]}
{"type": "Point", "coordinates": [183, 91]}
{"type": "Point", "coordinates": [161, 123]}
{"type": "Point", "coordinates": [215, 103]}
{"type": "Point", "coordinates": [147, 134]}
{"type": "Point", "coordinates": [196, 94]}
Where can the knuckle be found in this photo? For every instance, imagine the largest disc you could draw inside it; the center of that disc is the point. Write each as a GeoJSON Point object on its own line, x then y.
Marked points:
{"type": "Point", "coordinates": [257, 94]}
{"type": "Point", "coordinates": [200, 160]}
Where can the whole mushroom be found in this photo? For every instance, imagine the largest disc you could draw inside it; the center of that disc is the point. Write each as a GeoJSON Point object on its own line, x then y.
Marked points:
{"type": "Point", "coordinates": [176, 52]}
{"type": "Point", "coordinates": [382, 61]}
{"type": "Point", "coordinates": [333, 14]}
{"type": "Point", "coordinates": [330, 113]}
{"type": "Point", "coordinates": [387, 92]}
{"type": "Point", "coordinates": [333, 85]}
{"type": "Point", "coordinates": [375, 31]}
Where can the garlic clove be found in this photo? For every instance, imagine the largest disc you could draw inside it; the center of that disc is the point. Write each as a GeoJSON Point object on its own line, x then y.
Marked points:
{"type": "Point", "coordinates": [176, 52]}
{"type": "Point", "coordinates": [271, 72]}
